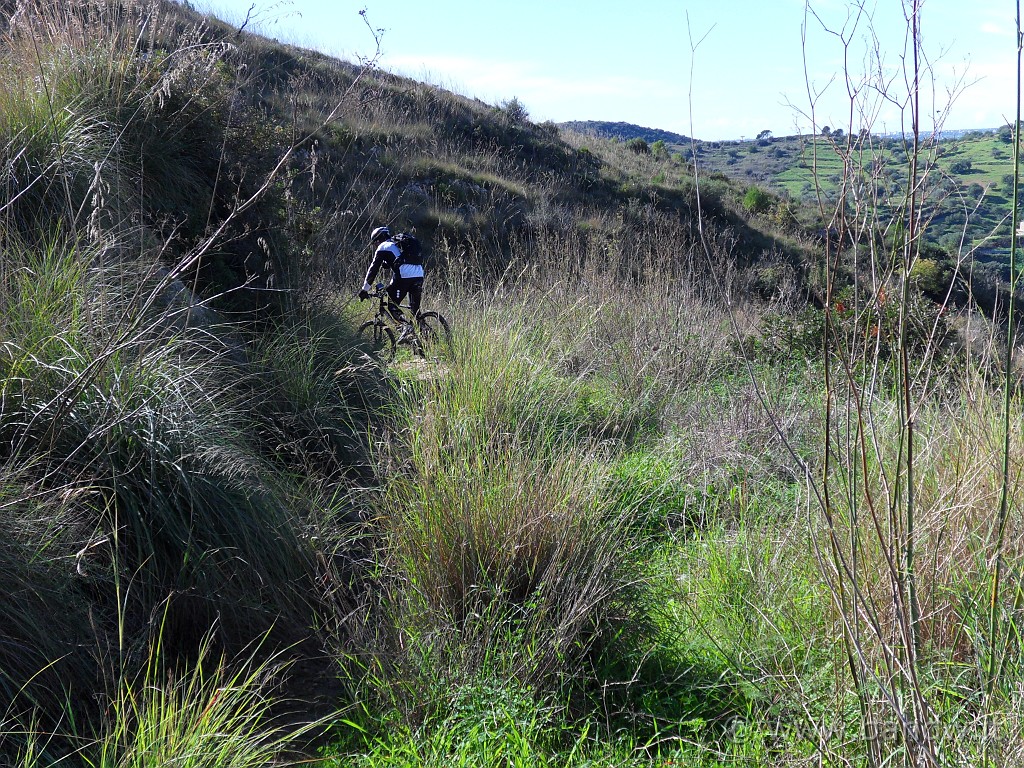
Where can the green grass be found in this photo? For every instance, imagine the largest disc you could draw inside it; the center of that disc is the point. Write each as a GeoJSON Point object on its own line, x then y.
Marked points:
{"type": "Point", "coordinates": [578, 538]}
{"type": "Point", "coordinates": [496, 525]}
{"type": "Point", "coordinates": [486, 724]}
{"type": "Point", "coordinates": [211, 714]}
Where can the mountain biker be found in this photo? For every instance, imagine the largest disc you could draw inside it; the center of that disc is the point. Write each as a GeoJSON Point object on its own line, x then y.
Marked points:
{"type": "Point", "coordinates": [406, 279]}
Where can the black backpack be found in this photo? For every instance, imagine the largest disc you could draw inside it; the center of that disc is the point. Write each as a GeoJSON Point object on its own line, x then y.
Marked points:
{"type": "Point", "coordinates": [412, 252]}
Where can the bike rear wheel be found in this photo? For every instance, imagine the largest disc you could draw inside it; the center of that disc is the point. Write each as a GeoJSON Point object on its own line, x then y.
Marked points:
{"type": "Point", "coordinates": [433, 333]}
{"type": "Point", "coordinates": [379, 339]}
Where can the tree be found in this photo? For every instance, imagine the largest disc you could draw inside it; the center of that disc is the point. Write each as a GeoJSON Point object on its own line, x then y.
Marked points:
{"type": "Point", "coordinates": [764, 137]}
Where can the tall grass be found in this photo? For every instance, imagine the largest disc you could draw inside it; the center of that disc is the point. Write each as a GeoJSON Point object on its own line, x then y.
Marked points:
{"type": "Point", "coordinates": [102, 121]}
{"type": "Point", "coordinates": [141, 488]}
{"type": "Point", "coordinates": [213, 713]}
{"type": "Point", "coordinates": [909, 460]}
{"type": "Point", "coordinates": [500, 535]}
{"type": "Point", "coordinates": [580, 527]}
{"type": "Point", "coordinates": [569, 427]}
{"type": "Point", "coordinates": [147, 437]}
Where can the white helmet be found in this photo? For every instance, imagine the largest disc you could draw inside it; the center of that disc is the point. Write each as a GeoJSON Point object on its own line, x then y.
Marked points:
{"type": "Point", "coordinates": [379, 233]}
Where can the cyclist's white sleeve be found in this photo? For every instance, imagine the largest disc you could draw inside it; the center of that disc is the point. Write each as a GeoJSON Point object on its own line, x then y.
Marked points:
{"type": "Point", "coordinates": [385, 256]}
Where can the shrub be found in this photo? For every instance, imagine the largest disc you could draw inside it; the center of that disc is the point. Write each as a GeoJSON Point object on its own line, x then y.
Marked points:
{"type": "Point", "coordinates": [515, 111]}
{"type": "Point", "coordinates": [639, 146]}
{"type": "Point", "coordinates": [650, 484]}
{"type": "Point", "coordinates": [756, 200]}
{"type": "Point", "coordinates": [929, 276]}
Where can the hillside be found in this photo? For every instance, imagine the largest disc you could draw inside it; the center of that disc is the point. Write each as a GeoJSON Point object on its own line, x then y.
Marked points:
{"type": "Point", "coordinates": [970, 168]}
{"type": "Point", "coordinates": [623, 131]}
{"type": "Point", "coordinates": [693, 468]}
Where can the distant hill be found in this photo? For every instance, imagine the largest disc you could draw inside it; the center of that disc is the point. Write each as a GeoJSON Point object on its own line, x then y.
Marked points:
{"type": "Point", "coordinates": [624, 131]}
{"type": "Point", "coordinates": [975, 165]}
{"type": "Point", "coordinates": [952, 133]}
{"type": "Point", "coordinates": [971, 165]}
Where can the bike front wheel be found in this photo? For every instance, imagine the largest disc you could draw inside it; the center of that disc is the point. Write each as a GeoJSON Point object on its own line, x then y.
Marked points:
{"type": "Point", "coordinates": [379, 339]}
{"type": "Point", "coordinates": [433, 334]}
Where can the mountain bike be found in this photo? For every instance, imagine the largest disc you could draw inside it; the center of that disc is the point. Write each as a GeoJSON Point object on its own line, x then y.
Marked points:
{"type": "Point", "coordinates": [428, 335]}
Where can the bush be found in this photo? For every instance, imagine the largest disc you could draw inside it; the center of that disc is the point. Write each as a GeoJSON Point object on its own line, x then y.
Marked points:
{"type": "Point", "coordinates": [930, 277]}
{"type": "Point", "coordinates": [756, 200]}
{"type": "Point", "coordinates": [639, 146]}
{"type": "Point", "coordinates": [515, 111]}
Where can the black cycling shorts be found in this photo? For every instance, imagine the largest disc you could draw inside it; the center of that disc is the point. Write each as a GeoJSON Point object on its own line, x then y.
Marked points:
{"type": "Point", "coordinates": [400, 288]}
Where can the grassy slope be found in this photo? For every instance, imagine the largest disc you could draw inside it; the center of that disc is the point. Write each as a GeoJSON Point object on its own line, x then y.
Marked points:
{"type": "Point", "coordinates": [184, 442]}
{"type": "Point", "coordinates": [575, 540]}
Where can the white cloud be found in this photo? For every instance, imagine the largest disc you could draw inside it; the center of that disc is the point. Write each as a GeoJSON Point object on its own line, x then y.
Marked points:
{"type": "Point", "coordinates": [547, 95]}
{"type": "Point", "coordinates": [538, 90]}
{"type": "Point", "coordinates": [1001, 30]}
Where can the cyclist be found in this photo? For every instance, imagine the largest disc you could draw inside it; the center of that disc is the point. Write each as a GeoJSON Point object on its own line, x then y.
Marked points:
{"type": "Point", "coordinates": [406, 278]}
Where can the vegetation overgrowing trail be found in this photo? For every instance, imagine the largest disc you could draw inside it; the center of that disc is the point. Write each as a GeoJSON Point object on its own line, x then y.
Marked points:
{"type": "Point", "coordinates": [736, 490]}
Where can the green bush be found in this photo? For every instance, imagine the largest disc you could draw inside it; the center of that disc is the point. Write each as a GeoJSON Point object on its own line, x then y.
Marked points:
{"type": "Point", "coordinates": [793, 333]}
{"type": "Point", "coordinates": [649, 485]}
{"type": "Point", "coordinates": [639, 146]}
{"type": "Point", "coordinates": [756, 200]}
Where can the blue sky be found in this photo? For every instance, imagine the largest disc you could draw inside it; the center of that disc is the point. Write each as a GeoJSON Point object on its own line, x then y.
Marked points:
{"type": "Point", "coordinates": [714, 69]}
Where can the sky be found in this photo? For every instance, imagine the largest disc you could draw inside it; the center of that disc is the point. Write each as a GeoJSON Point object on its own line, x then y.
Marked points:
{"type": "Point", "coordinates": [713, 69]}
